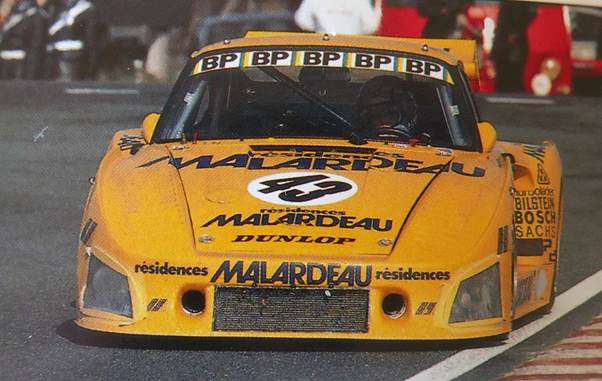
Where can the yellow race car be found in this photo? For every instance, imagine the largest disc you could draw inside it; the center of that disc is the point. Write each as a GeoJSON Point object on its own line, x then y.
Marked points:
{"type": "Point", "coordinates": [320, 186]}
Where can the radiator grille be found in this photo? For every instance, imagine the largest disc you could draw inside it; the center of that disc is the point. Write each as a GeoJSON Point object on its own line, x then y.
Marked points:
{"type": "Point", "coordinates": [290, 310]}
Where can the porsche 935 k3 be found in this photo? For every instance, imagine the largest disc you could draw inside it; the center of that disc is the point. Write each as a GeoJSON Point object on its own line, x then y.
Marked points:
{"type": "Point", "coordinates": [320, 186]}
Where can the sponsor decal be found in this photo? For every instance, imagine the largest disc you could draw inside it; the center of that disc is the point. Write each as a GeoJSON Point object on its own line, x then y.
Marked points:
{"type": "Point", "coordinates": [155, 305]}
{"type": "Point", "coordinates": [304, 219]}
{"type": "Point", "coordinates": [502, 240]}
{"type": "Point", "coordinates": [445, 152]}
{"type": "Point", "coordinates": [131, 143]}
{"type": "Point", "coordinates": [302, 188]}
{"type": "Point", "coordinates": [166, 269]}
{"type": "Point", "coordinates": [535, 151]}
{"type": "Point", "coordinates": [301, 210]}
{"type": "Point", "coordinates": [410, 274]}
{"type": "Point", "coordinates": [293, 239]}
{"type": "Point", "coordinates": [318, 58]}
{"type": "Point", "coordinates": [426, 308]}
{"type": "Point", "coordinates": [535, 214]}
{"type": "Point", "coordinates": [293, 274]}
{"type": "Point", "coordinates": [542, 176]}
{"type": "Point", "coordinates": [524, 289]}
{"type": "Point", "coordinates": [250, 161]}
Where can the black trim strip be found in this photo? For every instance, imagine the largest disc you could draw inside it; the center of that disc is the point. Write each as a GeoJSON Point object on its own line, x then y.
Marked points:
{"type": "Point", "coordinates": [531, 247]}
{"type": "Point", "coordinates": [302, 148]}
{"type": "Point", "coordinates": [87, 231]}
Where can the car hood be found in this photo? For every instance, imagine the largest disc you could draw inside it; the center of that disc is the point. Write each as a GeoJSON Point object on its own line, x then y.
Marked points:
{"type": "Point", "coordinates": [269, 198]}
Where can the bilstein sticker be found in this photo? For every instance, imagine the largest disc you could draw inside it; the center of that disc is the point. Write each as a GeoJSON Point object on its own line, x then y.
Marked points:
{"type": "Point", "coordinates": [535, 214]}
{"type": "Point", "coordinates": [302, 188]}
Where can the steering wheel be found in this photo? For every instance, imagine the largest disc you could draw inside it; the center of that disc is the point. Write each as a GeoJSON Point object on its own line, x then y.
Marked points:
{"type": "Point", "coordinates": [388, 132]}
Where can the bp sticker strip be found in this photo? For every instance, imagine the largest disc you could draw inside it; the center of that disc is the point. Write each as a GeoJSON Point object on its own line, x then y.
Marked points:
{"type": "Point", "coordinates": [298, 58]}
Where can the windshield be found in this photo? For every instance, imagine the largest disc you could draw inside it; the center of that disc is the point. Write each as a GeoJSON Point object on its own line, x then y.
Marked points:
{"type": "Point", "coordinates": [358, 96]}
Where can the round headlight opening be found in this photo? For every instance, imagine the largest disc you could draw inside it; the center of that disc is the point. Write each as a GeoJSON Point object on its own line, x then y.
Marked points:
{"type": "Point", "coordinates": [394, 306]}
{"type": "Point", "coordinates": [193, 302]}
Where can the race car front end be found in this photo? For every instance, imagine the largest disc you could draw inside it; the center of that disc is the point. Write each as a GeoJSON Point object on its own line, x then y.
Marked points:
{"type": "Point", "coordinates": [398, 269]}
{"type": "Point", "coordinates": [407, 303]}
{"type": "Point", "coordinates": [306, 186]}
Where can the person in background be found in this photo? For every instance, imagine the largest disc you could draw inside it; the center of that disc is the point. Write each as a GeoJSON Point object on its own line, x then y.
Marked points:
{"type": "Point", "coordinates": [445, 18]}
{"type": "Point", "coordinates": [72, 41]}
{"type": "Point", "coordinates": [510, 45]}
{"type": "Point", "coordinates": [339, 16]}
{"type": "Point", "coordinates": [22, 41]}
{"type": "Point", "coordinates": [166, 55]}
{"type": "Point", "coordinates": [234, 18]}
{"type": "Point", "coordinates": [5, 8]}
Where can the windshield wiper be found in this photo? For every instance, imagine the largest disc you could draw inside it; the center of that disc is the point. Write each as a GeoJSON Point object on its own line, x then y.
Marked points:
{"type": "Point", "coordinates": [275, 74]}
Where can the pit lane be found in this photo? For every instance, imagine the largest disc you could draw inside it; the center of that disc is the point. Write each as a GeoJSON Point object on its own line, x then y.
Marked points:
{"type": "Point", "coordinates": [52, 137]}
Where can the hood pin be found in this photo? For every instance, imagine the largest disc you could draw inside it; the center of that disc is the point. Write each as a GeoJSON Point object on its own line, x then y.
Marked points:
{"type": "Point", "coordinates": [206, 238]}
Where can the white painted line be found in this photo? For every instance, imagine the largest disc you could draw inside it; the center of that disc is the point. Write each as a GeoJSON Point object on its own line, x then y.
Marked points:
{"type": "Point", "coordinates": [520, 101]}
{"type": "Point", "coordinates": [467, 360]}
{"type": "Point", "coordinates": [90, 91]}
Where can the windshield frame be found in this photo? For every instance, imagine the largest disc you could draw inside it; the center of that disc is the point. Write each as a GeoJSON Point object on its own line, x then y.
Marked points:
{"type": "Point", "coordinates": [454, 71]}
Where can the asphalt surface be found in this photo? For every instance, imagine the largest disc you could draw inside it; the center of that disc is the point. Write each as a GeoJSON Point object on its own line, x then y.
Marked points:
{"type": "Point", "coordinates": [51, 140]}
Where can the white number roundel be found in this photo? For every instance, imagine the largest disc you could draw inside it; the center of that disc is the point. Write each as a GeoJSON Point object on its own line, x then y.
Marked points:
{"type": "Point", "coordinates": [302, 188]}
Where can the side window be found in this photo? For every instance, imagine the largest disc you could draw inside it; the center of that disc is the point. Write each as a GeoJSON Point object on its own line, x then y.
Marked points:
{"type": "Point", "coordinates": [470, 100]}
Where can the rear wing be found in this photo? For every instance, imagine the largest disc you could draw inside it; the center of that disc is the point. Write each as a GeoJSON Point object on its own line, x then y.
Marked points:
{"type": "Point", "coordinates": [463, 50]}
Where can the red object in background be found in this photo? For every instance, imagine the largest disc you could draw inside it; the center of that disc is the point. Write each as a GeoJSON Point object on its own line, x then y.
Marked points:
{"type": "Point", "coordinates": [587, 69]}
{"type": "Point", "coordinates": [549, 38]}
{"type": "Point", "coordinates": [477, 15]}
{"type": "Point", "coordinates": [402, 21]}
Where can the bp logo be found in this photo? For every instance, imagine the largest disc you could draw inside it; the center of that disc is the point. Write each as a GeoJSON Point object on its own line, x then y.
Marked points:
{"type": "Point", "coordinates": [302, 188]}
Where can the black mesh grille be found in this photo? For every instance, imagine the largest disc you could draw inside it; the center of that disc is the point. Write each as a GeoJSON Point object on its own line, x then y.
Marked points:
{"type": "Point", "coordinates": [290, 310]}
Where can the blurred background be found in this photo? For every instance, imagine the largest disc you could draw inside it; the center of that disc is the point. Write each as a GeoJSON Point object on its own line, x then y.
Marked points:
{"type": "Point", "coordinates": [525, 47]}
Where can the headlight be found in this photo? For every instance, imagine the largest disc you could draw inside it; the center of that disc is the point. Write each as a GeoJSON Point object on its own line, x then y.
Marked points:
{"type": "Point", "coordinates": [478, 297]}
{"type": "Point", "coordinates": [106, 289]}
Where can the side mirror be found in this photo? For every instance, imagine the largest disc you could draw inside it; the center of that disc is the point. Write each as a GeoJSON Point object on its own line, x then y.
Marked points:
{"type": "Point", "coordinates": [148, 126]}
{"type": "Point", "coordinates": [488, 136]}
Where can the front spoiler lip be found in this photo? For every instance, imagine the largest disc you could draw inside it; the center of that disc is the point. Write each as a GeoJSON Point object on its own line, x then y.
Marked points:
{"type": "Point", "coordinates": [315, 341]}
{"type": "Point", "coordinates": [174, 322]}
